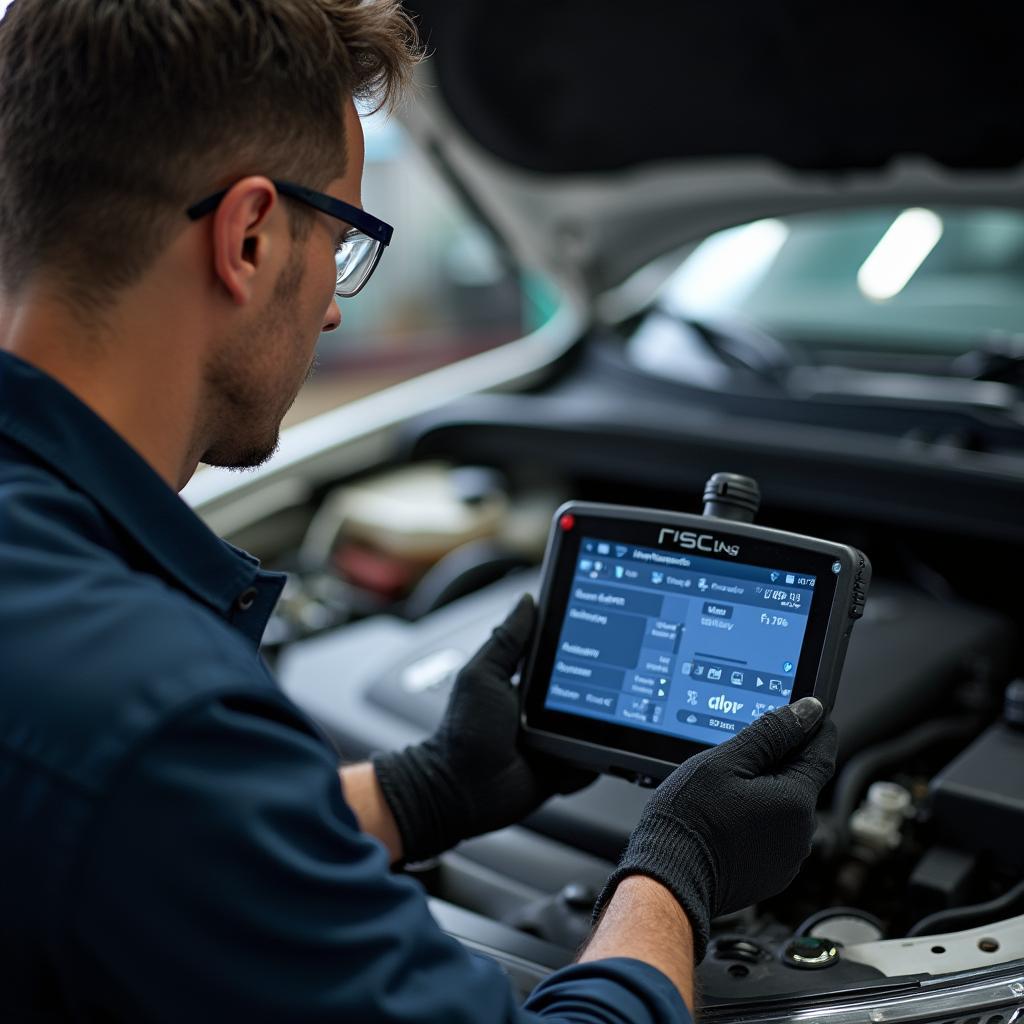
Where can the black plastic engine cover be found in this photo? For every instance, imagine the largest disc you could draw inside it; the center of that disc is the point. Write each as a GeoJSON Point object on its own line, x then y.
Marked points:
{"type": "Point", "coordinates": [978, 800]}
{"type": "Point", "coordinates": [384, 682]}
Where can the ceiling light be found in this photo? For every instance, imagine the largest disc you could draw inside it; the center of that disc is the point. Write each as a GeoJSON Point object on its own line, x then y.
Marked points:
{"type": "Point", "coordinates": [899, 254]}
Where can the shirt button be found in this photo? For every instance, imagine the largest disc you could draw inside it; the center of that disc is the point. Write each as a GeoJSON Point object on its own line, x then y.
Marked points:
{"type": "Point", "coordinates": [246, 599]}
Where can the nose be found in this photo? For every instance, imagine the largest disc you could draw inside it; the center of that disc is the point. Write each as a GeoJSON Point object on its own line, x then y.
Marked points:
{"type": "Point", "coordinates": [332, 316]}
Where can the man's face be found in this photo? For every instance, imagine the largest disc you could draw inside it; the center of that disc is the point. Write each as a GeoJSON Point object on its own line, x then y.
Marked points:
{"type": "Point", "coordinates": [255, 376]}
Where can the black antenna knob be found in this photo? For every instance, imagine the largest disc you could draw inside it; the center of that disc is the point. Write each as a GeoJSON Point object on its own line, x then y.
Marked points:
{"type": "Point", "coordinates": [731, 496]}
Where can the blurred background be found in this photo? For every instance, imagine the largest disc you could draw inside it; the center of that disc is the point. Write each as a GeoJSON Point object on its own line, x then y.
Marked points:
{"type": "Point", "coordinates": [444, 289]}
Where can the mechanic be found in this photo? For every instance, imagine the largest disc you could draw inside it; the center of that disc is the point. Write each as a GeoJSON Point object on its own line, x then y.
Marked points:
{"type": "Point", "coordinates": [176, 844]}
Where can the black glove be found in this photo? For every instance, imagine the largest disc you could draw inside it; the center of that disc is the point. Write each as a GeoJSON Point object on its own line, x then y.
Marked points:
{"type": "Point", "coordinates": [732, 825]}
{"type": "Point", "coordinates": [471, 777]}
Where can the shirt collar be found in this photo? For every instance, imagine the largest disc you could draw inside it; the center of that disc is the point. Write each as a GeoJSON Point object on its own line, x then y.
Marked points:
{"type": "Point", "coordinates": [43, 416]}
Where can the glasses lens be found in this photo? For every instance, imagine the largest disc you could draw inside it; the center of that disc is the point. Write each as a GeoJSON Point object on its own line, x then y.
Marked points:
{"type": "Point", "coordinates": [356, 259]}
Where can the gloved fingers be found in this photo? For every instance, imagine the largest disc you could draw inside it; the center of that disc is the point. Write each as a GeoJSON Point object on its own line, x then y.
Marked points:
{"type": "Point", "coordinates": [817, 761]}
{"type": "Point", "coordinates": [506, 646]}
{"type": "Point", "coordinates": [766, 743]}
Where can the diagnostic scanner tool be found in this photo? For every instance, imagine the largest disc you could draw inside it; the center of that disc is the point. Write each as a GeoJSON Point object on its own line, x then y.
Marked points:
{"type": "Point", "coordinates": [663, 633]}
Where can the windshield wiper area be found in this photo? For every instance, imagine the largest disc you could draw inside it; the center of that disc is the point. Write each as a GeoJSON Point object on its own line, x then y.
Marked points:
{"type": "Point", "coordinates": [709, 353]}
{"type": "Point", "coordinates": [987, 378]}
{"type": "Point", "coordinates": [732, 356]}
{"type": "Point", "coordinates": [1000, 357]}
{"type": "Point", "coordinates": [906, 389]}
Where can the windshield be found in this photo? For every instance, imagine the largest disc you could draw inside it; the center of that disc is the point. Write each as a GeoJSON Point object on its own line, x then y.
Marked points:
{"type": "Point", "coordinates": [942, 279]}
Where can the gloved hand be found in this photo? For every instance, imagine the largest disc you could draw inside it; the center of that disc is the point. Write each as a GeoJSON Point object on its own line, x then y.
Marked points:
{"type": "Point", "coordinates": [731, 825]}
{"type": "Point", "coordinates": [471, 777]}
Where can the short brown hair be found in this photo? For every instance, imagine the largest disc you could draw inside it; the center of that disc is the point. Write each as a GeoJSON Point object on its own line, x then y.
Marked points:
{"type": "Point", "coordinates": [117, 114]}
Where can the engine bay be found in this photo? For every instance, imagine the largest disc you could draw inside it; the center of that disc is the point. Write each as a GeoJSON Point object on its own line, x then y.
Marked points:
{"type": "Point", "coordinates": [397, 576]}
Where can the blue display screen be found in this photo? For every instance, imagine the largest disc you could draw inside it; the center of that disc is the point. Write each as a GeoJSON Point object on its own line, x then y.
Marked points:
{"type": "Point", "coordinates": [688, 646]}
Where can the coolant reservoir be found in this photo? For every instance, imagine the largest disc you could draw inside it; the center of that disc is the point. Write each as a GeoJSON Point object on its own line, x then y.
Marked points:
{"type": "Point", "coordinates": [878, 822]}
{"type": "Point", "coordinates": [384, 532]}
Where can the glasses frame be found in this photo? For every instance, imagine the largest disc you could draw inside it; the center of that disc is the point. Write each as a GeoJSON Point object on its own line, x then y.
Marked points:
{"type": "Point", "coordinates": [362, 221]}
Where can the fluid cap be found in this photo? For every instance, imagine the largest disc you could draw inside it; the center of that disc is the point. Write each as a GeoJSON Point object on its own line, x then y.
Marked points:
{"type": "Point", "coordinates": [731, 496]}
{"type": "Point", "coordinates": [809, 953]}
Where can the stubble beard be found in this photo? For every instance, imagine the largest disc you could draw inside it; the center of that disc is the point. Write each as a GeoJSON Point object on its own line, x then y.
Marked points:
{"type": "Point", "coordinates": [247, 418]}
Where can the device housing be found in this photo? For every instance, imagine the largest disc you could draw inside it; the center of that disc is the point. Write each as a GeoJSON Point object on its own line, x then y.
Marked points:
{"type": "Point", "coordinates": [842, 574]}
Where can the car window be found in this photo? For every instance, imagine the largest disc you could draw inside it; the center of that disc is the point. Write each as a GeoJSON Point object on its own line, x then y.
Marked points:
{"type": "Point", "coordinates": [942, 278]}
{"type": "Point", "coordinates": [443, 290]}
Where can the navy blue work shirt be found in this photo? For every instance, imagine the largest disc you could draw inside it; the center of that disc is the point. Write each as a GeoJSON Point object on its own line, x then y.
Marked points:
{"type": "Point", "coordinates": [174, 841]}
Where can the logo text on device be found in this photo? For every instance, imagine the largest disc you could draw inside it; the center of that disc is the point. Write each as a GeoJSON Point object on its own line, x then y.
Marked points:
{"type": "Point", "coordinates": [697, 541]}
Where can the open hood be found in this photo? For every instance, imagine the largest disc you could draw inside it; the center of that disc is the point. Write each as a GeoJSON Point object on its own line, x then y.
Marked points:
{"type": "Point", "coordinates": [595, 136]}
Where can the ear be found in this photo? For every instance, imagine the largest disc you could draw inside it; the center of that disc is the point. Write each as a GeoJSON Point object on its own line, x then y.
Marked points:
{"type": "Point", "coordinates": [241, 240]}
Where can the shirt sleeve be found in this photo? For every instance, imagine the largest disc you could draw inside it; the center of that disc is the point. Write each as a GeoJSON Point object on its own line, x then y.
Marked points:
{"type": "Point", "coordinates": [226, 879]}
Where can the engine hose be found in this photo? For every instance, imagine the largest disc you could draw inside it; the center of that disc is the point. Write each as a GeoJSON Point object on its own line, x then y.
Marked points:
{"type": "Point", "coordinates": [973, 916]}
{"type": "Point", "coordinates": [863, 767]}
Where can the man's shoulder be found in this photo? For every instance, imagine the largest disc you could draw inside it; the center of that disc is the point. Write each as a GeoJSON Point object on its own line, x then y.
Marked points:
{"type": "Point", "coordinates": [96, 653]}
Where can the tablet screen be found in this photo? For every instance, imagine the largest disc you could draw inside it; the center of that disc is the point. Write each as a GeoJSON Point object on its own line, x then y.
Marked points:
{"type": "Point", "coordinates": [683, 645]}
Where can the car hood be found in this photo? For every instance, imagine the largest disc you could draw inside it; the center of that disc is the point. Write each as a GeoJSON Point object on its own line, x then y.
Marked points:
{"type": "Point", "coordinates": [594, 136]}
